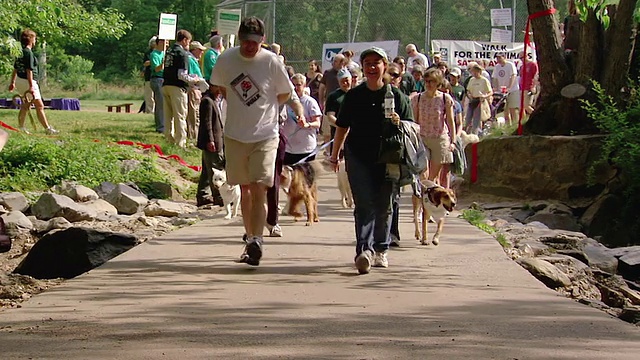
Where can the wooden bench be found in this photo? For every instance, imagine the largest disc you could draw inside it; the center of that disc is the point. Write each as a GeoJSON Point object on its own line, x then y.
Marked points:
{"type": "Point", "coordinates": [127, 107]}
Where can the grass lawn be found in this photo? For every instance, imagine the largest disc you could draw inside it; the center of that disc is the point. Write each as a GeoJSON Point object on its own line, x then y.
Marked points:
{"type": "Point", "coordinates": [93, 122]}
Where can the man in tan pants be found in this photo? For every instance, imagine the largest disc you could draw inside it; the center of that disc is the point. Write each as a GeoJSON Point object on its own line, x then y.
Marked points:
{"type": "Point", "coordinates": [174, 89]}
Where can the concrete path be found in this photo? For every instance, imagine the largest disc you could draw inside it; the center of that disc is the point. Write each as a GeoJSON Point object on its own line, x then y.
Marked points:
{"type": "Point", "coordinates": [182, 297]}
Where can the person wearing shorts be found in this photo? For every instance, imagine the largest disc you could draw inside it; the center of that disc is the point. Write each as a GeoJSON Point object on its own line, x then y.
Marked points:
{"type": "Point", "coordinates": [23, 80]}
{"type": "Point", "coordinates": [433, 110]}
{"type": "Point", "coordinates": [254, 83]}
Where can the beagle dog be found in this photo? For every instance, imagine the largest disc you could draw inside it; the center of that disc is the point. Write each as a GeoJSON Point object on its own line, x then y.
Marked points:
{"type": "Point", "coordinates": [431, 200]}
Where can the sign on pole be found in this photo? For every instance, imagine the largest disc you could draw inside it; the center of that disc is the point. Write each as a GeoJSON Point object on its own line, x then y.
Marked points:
{"type": "Point", "coordinates": [228, 21]}
{"type": "Point", "coordinates": [501, 17]}
{"type": "Point", "coordinates": [500, 36]}
{"type": "Point", "coordinates": [331, 50]}
{"type": "Point", "coordinates": [167, 27]}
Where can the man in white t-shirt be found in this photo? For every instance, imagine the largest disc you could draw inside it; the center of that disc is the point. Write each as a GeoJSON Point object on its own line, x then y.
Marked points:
{"type": "Point", "coordinates": [504, 79]}
{"type": "Point", "coordinates": [412, 54]}
{"type": "Point", "coordinates": [254, 83]}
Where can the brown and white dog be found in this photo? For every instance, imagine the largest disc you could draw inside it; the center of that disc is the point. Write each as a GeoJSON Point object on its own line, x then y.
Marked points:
{"type": "Point", "coordinates": [346, 196]}
{"type": "Point", "coordinates": [299, 182]}
{"type": "Point", "coordinates": [434, 201]}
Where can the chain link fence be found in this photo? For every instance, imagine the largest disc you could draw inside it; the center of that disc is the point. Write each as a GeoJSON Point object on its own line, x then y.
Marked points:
{"type": "Point", "coordinates": [301, 27]}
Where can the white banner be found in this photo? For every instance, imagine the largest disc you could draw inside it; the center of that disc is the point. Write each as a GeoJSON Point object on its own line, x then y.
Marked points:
{"type": "Point", "coordinates": [228, 21]}
{"type": "Point", "coordinates": [167, 26]}
{"type": "Point", "coordinates": [501, 17]}
{"type": "Point", "coordinates": [331, 50]}
{"type": "Point", "coordinates": [460, 52]}
{"type": "Point", "coordinates": [500, 36]}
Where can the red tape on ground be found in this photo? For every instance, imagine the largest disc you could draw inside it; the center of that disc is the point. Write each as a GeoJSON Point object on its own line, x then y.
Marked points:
{"type": "Point", "coordinates": [158, 151]}
{"type": "Point", "coordinates": [7, 126]}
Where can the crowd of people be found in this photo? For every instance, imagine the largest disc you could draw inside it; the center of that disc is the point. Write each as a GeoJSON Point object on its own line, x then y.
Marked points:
{"type": "Point", "coordinates": [251, 114]}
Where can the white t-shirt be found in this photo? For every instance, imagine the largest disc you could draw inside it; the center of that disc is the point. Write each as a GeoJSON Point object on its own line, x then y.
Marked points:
{"type": "Point", "coordinates": [252, 85]}
{"type": "Point", "coordinates": [421, 56]}
{"type": "Point", "coordinates": [301, 140]}
{"type": "Point", "coordinates": [503, 74]}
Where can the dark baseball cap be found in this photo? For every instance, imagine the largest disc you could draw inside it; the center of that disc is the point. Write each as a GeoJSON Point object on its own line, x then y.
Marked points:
{"type": "Point", "coordinates": [251, 28]}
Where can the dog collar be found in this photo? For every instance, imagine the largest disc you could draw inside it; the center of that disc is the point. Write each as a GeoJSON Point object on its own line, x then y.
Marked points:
{"type": "Point", "coordinates": [429, 192]}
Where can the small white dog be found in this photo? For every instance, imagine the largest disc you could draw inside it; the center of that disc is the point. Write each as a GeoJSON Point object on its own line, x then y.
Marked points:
{"type": "Point", "coordinates": [230, 193]}
{"type": "Point", "coordinates": [343, 185]}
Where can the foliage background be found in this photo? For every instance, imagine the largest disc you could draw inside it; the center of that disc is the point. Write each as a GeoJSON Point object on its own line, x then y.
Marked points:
{"type": "Point", "coordinates": [113, 34]}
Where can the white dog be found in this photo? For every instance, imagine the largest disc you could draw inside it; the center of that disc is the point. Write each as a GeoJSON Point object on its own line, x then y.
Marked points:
{"type": "Point", "coordinates": [343, 185]}
{"type": "Point", "coordinates": [230, 193]}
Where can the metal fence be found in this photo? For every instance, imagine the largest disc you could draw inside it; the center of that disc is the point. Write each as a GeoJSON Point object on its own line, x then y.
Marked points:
{"type": "Point", "coordinates": [301, 27]}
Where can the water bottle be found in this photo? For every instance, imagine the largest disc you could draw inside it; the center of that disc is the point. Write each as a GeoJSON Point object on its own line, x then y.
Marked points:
{"type": "Point", "coordinates": [389, 103]}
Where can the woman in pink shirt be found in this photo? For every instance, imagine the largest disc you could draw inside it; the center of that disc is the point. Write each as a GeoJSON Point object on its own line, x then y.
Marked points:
{"type": "Point", "coordinates": [433, 111]}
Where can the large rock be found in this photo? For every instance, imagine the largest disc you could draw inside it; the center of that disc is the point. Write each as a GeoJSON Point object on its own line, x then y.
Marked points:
{"type": "Point", "coordinates": [629, 265]}
{"type": "Point", "coordinates": [539, 167]}
{"type": "Point", "coordinates": [126, 199]}
{"type": "Point", "coordinates": [546, 272]}
{"type": "Point", "coordinates": [14, 201]}
{"type": "Point", "coordinates": [102, 207]}
{"type": "Point", "coordinates": [168, 208]}
{"type": "Point", "coordinates": [598, 217]}
{"type": "Point", "coordinates": [166, 191]}
{"type": "Point", "coordinates": [599, 257]}
{"type": "Point", "coordinates": [16, 223]}
{"type": "Point", "coordinates": [71, 252]}
{"type": "Point", "coordinates": [51, 205]}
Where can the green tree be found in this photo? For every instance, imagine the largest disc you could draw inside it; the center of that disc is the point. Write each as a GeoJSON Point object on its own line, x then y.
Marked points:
{"type": "Point", "coordinates": [57, 22]}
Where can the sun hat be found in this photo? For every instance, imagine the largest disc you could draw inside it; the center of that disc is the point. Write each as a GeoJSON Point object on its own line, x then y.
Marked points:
{"type": "Point", "coordinates": [374, 50]}
{"type": "Point", "coordinates": [455, 72]}
{"type": "Point", "coordinates": [343, 73]}
{"type": "Point", "coordinates": [196, 45]}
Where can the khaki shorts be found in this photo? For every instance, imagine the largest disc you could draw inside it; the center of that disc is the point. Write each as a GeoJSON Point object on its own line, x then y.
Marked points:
{"type": "Point", "coordinates": [325, 127]}
{"type": "Point", "coordinates": [440, 149]}
{"type": "Point", "coordinates": [22, 86]}
{"type": "Point", "coordinates": [250, 162]}
{"type": "Point", "coordinates": [513, 99]}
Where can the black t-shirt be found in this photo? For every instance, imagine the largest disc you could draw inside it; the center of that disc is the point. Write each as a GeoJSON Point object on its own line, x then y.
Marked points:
{"type": "Point", "coordinates": [362, 111]}
{"type": "Point", "coordinates": [177, 58]}
{"type": "Point", "coordinates": [408, 83]}
{"type": "Point", "coordinates": [334, 101]}
{"type": "Point", "coordinates": [26, 62]}
{"type": "Point", "coordinates": [147, 69]}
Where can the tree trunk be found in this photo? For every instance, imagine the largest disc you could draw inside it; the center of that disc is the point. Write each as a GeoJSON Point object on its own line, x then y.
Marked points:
{"type": "Point", "coordinates": [554, 72]}
{"type": "Point", "coordinates": [620, 41]}
{"type": "Point", "coordinates": [589, 54]}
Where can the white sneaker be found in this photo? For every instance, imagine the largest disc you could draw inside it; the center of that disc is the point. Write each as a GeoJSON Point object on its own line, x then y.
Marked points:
{"type": "Point", "coordinates": [24, 130]}
{"type": "Point", "coordinates": [363, 262]}
{"type": "Point", "coordinates": [275, 230]}
{"type": "Point", "coordinates": [51, 131]}
{"type": "Point", "coordinates": [380, 260]}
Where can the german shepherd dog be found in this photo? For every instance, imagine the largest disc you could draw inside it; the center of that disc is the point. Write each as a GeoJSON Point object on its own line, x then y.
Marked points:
{"type": "Point", "coordinates": [431, 200]}
{"type": "Point", "coordinates": [299, 182]}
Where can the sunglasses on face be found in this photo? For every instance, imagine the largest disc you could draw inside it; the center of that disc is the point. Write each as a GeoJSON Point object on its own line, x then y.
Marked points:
{"type": "Point", "coordinates": [395, 75]}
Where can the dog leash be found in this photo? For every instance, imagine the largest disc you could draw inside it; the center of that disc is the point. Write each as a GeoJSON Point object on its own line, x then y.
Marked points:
{"type": "Point", "coordinates": [314, 152]}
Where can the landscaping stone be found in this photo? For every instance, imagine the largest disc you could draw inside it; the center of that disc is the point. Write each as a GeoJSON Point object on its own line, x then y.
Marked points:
{"type": "Point", "coordinates": [629, 265]}
{"type": "Point", "coordinates": [545, 272]}
{"type": "Point", "coordinates": [71, 252]}
{"type": "Point", "coordinates": [168, 208]}
{"type": "Point", "coordinates": [51, 205]}
{"type": "Point", "coordinates": [126, 199]}
{"type": "Point", "coordinates": [14, 201]}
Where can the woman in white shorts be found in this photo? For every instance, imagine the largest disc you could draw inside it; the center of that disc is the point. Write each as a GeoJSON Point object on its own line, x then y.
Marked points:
{"type": "Point", "coordinates": [23, 80]}
{"type": "Point", "coordinates": [433, 111]}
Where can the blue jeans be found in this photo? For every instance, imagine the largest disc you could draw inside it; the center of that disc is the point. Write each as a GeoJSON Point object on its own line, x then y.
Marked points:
{"type": "Point", "coordinates": [372, 196]}
{"type": "Point", "coordinates": [158, 112]}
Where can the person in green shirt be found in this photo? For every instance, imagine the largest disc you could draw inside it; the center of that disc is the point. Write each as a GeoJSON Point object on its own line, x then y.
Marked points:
{"type": "Point", "coordinates": [211, 55]}
{"type": "Point", "coordinates": [194, 94]}
{"type": "Point", "coordinates": [156, 59]}
{"type": "Point", "coordinates": [23, 80]}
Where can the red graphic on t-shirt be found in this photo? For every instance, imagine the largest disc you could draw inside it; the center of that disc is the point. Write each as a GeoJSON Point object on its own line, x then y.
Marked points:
{"type": "Point", "coordinates": [246, 86]}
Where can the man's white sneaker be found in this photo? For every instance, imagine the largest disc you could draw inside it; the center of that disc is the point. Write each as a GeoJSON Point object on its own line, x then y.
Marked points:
{"type": "Point", "coordinates": [275, 230]}
{"type": "Point", "coordinates": [363, 262]}
{"type": "Point", "coordinates": [380, 260]}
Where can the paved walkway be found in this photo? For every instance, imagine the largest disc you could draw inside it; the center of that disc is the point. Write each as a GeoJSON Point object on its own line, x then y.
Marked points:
{"type": "Point", "coordinates": [181, 297]}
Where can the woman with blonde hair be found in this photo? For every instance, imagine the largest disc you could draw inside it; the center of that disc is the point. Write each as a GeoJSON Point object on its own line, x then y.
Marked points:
{"type": "Point", "coordinates": [23, 80]}
{"type": "Point", "coordinates": [433, 111]}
